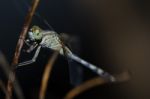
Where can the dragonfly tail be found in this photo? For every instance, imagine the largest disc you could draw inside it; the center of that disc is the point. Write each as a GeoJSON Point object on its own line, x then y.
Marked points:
{"type": "Point", "coordinates": [94, 68]}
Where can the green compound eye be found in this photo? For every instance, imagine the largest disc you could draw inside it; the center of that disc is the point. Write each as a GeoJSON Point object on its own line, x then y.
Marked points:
{"type": "Point", "coordinates": [37, 32]}
{"type": "Point", "coordinates": [37, 36]}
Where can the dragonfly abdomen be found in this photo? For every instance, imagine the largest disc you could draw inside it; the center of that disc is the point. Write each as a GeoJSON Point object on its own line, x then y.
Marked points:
{"type": "Point", "coordinates": [92, 67]}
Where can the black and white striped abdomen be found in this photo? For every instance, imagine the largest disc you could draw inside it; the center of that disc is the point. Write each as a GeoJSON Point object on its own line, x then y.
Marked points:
{"type": "Point", "coordinates": [92, 67]}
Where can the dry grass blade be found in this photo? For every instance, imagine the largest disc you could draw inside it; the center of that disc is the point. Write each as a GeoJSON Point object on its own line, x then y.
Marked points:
{"type": "Point", "coordinates": [21, 42]}
{"type": "Point", "coordinates": [125, 76]}
{"type": "Point", "coordinates": [46, 75]}
{"type": "Point", "coordinates": [2, 86]}
{"type": "Point", "coordinates": [83, 87]}
{"type": "Point", "coordinates": [5, 67]}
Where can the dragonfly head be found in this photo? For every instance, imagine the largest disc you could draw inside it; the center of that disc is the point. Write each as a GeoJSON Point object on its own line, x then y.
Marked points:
{"type": "Point", "coordinates": [35, 33]}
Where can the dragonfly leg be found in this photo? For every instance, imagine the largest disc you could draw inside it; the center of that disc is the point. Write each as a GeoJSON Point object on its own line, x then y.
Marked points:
{"type": "Point", "coordinates": [27, 42]}
{"type": "Point", "coordinates": [32, 60]}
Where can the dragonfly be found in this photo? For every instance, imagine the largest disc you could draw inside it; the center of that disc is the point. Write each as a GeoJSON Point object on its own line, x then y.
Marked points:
{"type": "Point", "coordinates": [50, 39]}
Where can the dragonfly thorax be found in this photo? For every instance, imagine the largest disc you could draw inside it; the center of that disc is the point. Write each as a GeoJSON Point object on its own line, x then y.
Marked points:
{"type": "Point", "coordinates": [51, 41]}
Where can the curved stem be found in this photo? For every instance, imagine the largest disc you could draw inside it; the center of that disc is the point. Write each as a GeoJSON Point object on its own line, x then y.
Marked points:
{"type": "Point", "coordinates": [20, 43]}
{"type": "Point", "coordinates": [46, 75]}
{"type": "Point", "coordinates": [125, 76]}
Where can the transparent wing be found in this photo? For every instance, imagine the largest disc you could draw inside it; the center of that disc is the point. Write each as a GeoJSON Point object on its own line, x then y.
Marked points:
{"type": "Point", "coordinates": [75, 69]}
{"type": "Point", "coordinates": [75, 72]}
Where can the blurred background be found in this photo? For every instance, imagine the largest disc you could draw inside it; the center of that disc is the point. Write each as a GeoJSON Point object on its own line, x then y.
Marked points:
{"type": "Point", "coordinates": [114, 34]}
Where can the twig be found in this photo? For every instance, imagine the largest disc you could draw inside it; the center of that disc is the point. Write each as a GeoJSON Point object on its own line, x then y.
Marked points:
{"type": "Point", "coordinates": [93, 83]}
{"type": "Point", "coordinates": [20, 43]}
{"type": "Point", "coordinates": [2, 86]}
{"type": "Point", "coordinates": [46, 75]}
{"type": "Point", "coordinates": [5, 67]}
{"type": "Point", "coordinates": [83, 87]}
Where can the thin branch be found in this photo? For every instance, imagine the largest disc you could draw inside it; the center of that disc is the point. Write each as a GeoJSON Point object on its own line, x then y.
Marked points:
{"type": "Point", "coordinates": [2, 86]}
{"type": "Point", "coordinates": [20, 43]}
{"type": "Point", "coordinates": [125, 76]}
{"type": "Point", "coordinates": [23, 33]}
{"type": "Point", "coordinates": [83, 87]}
{"type": "Point", "coordinates": [46, 75]}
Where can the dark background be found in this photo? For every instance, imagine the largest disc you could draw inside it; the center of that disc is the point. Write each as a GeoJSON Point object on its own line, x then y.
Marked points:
{"type": "Point", "coordinates": [114, 34]}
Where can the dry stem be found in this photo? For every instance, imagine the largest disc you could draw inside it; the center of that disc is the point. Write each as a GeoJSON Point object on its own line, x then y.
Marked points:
{"type": "Point", "coordinates": [46, 75]}
{"type": "Point", "coordinates": [125, 76]}
{"type": "Point", "coordinates": [20, 43]}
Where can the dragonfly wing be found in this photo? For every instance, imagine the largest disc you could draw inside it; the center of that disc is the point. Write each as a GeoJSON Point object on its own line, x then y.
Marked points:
{"type": "Point", "coordinates": [75, 72]}
{"type": "Point", "coordinates": [75, 69]}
